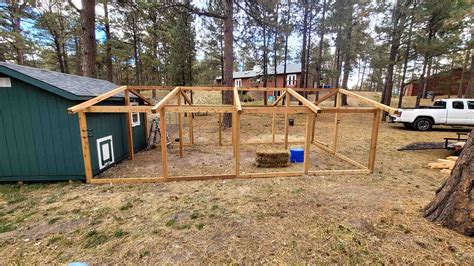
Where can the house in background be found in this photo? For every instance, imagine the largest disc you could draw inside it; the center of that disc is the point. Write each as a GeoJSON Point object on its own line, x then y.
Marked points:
{"type": "Point", "coordinates": [40, 141]}
{"type": "Point", "coordinates": [442, 83]}
{"type": "Point", "coordinates": [253, 78]}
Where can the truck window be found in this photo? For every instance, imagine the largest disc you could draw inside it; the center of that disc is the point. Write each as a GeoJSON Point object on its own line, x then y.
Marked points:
{"type": "Point", "coordinates": [470, 104]}
{"type": "Point", "coordinates": [458, 105]}
{"type": "Point", "coordinates": [440, 104]}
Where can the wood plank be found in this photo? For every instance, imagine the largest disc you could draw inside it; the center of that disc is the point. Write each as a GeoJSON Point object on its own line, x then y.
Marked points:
{"type": "Point", "coordinates": [104, 96]}
{"type": "Point", "coordinates": [279, 98]}
{"type": "Point", "coordinates": [325, 148]}
{"type": "Point", "coordinates": [197, 109]}
{"type": "Point", "coordinates": [339, 172]}
{"type": "Point", "coordinates": [165, 100]}
{"type": "Point", "coordinates": [305, 101]}
{"type": "Point", "coordinates": [273, 127]}
{"type": "Point", "coordinates": [136, 93]}
{"type": "Point", "coordinates": [272, 174]}
{"type": "Point", "coordinates": [287, 105]}
{"type": "Point", "coordinates": [128, 120]}
{"type": "Point", "coordinates": [275, 109]}
{"type": "Point", "coordinates": [186, 98]}
{"type": "Point", "coordinates": [180, 130]}
{"type": "Point", "coordinates": [307, 145]}
{"type": "Point", "coordinates": [373, 140]}
{"type": "Point", "coordinates": [85, 146]}
{"type": "Point", "coordinates": [348, 110]}
{"type": "Point", "coordinates": [164, 147]}
{"type": "Point", "coordinates": [118, 109]}
{"type": "Point", "coordinates": [325, 97]}
{"type": "Point", "coordinates": [237, 143]}
{"type": "Point", "coordinates": [336, 123]}
{"type": "Point", "coordinates": [378, 105]}
{"type": "Point", "coordinates": [238, 106]}
{"type": "Point", "coordinates": [220, 128]}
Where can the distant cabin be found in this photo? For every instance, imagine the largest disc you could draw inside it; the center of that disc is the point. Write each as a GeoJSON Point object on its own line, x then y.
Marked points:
{"type": "Point", "coordinates": [442, 83]}
{"type": "Point", "coordinates": [40, 141]}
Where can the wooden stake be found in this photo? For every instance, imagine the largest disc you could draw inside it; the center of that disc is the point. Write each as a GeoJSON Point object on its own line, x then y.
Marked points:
{"type": "Point", "coordinates": [273, 127]}
{"type": "Point", "coordinates": [307, 144]}
{"type": "Point", "coordinates": [85, 145]}
{"type": "Point", "coordinates": [128, 120]}
{"type": "Point", "coordinates": [287, 104]}
{"type": "Point", "coordinates": [164, 144]}
{"type": "Point", "coordinates": [336, 123]}
{"type": "Point", "coordinates": [220, 128]}
{"type": "Point", "coordinates": [180, 129]}
{"type": "Point", "coordinates": [237, 143]}
{"type": "Point", "coordinates": [373, 140]}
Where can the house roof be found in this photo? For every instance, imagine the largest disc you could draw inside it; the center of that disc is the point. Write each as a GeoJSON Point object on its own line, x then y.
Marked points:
{"type": "Point", "coordinates": [290, 69]}
{"type": "Point", "coordinates": [69, 86]}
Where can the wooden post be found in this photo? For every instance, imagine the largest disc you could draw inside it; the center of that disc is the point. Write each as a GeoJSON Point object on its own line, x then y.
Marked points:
{"type": "Point", "coordinates": [191, 130]}
{"type": "Point", "coordinates": [180, 129]}
{"type": "Point", "coordinates": [287, 104]}
{"type": "Point", "coordinates": [145, 125]}
{"type": "Point", "coordinates": [220, 128]}
{"type": "Point", "coordinates": [85, 145]}
{"type": "Point", "coordinates": [128, 118]}
{"type": "Point", "coordinates": [312, 130]}
{"type": "Point", "coordinates": [237, 143]}
{"type": "Point", "coordinates": [336, 123]}
{"type": "Point", "coordinates": [307, 141]}
{"type": "Point", "coordinates": [164, 144]}
{"type": "Point", "coordinates": [373, 139]}
{"type": "Point", "coordinates": [233, 136]}
{"type": "Point", "coordinates": [273, 127]}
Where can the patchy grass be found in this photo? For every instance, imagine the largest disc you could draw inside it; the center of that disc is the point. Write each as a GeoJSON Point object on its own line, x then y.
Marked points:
{"type": "Point", "coordinates": [95, 238]}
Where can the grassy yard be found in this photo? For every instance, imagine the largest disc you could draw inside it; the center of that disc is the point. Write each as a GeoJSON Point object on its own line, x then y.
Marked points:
{"type": "Point", "coordinates": [327, 219]}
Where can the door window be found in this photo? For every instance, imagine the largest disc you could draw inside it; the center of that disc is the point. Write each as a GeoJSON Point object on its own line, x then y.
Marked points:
{"type": "Point", "coordinates": [105, 151]}
{"type": "Point", "coordinates": [458, 105]}
{"type": "Point", "coordinates": [470, 105]}
{"type": "Point", "coordinates": [238, 83]}
{"type": "Point", "coordinates": [291, 80]}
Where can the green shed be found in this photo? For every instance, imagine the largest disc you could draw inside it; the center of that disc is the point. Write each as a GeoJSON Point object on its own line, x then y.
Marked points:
{"type": "Point", "coordinates": [40, 141]}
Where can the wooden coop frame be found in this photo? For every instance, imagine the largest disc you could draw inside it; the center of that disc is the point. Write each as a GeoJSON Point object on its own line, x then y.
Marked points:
{"type": "Point", "coordinates": [184, 105]}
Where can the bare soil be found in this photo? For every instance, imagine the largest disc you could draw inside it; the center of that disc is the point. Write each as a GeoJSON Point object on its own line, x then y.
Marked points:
{"type": "Point", "coordinates": [327, 219]}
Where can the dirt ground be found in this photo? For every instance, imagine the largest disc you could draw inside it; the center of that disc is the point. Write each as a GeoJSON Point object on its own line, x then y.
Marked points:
{"type": "Point", "coordinates": [327, 219]}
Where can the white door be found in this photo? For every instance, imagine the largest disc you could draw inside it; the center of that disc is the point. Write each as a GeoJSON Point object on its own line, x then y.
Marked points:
{"type": "Point", "coordinates": [105, 151]}
{"type": "Point", "coordinates": [457, 113]}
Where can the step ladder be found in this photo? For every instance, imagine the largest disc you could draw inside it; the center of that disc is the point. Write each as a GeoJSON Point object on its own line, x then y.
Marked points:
{"type": "Point", "coordinates": [155, 135]}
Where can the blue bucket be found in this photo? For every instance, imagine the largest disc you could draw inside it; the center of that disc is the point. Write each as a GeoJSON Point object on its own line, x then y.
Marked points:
{"type": "Point", "coordinates": [296, 155]}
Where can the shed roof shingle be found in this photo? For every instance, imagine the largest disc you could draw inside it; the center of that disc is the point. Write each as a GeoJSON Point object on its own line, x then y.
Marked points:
{"type": "Point", "coordinates": [76, 85]}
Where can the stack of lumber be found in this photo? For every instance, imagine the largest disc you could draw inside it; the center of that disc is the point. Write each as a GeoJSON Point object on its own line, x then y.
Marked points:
{"type": "Point", "coordinates": [446, 165]}
{"type": "Point", "coordinates": [272, 157]}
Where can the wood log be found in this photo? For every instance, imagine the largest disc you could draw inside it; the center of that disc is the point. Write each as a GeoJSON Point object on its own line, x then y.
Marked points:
{"type": "Point", "coordinates": [453, 205]}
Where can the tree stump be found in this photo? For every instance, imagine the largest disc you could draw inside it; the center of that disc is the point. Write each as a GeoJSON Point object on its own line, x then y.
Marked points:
{"type": "Point", "coordinates": [453, 205]}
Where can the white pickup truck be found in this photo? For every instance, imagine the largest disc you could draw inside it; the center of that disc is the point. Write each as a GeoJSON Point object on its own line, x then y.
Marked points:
{"type": "Point", "coordinates": [452, 112]}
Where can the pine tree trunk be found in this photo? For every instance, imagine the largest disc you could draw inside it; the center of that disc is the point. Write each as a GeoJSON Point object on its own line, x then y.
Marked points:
{"type": "Point", "coordinates": [89, 49]}
{"type": "Point", "coordinates": [453, 205]}
{"type": "Point", "coordinates": [108, 46]}
{"type": "Point", "coordinates": [470, 85]}
{"type": "Point", "coordinates": [227, 96]}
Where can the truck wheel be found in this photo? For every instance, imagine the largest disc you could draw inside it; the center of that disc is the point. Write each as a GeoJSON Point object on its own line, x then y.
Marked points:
{"type": "Point", "coordinates": [423, 124]}
{"type": "Point", "coordinates": [408, 125]}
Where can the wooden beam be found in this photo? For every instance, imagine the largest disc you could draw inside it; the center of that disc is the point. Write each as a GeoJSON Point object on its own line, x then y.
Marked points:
{"type": "Point", "coordinates": [220, 128]}
{"type": "Point", "coordinates": [104, 96]}
{"type": "Point", "coordinates": [287, 105]}
{"type": "Point", "coordinates": [305, 101]}
{"type": "Point", "coordinates": [336, 123]}
{"type": "Point", "coordinates": [348, 110]}
{"type": "Point", "coordinates": [273, 127]}
{"type": "Point", "coordinates": [238, 106]}
{"type": "Point", "coordinates": [325, 148]}
{"type": "Point", "coordinates": [272, 174]}
{"type": "Point", "coordinates": [307, 145]}
{"type": "Point", "coordinates": [136, 93]}
{"type": "Point", "coordinates": [196, 109]}
{"type": "Point", "coordinates": [165, 100]}
{"type": "Point", "coordinates": [378, 105]}
{"type": "Point", "coordinates": [186, 98]}
{"type": "Point", "coordinates": [275, 109]}
{"type": "Point", "coordinates": [86, 158]}
{"type": "Point", "coordinates": [373, 140]}
{"type": "Point", "coordinates": [180, 130]}
{"type": "Point", "coordinates": [164, 146]}
{"type": "Point", "coordinates": [339, 172]}
{"type": "Point", "coordinates": [325, 97]}
{"type": "Point", "coordinates": [279, 98]}
{"type": "Point", "coordinates": [237, 143]}
{"type": "Point", "coordinates": [118, 109]}
{"type": "Point", "coordinates": [128, 120]}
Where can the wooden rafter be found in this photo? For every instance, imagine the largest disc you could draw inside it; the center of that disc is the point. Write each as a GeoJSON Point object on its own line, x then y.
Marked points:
{"type": "Point", "coordinates": [305, 101]}
{"type": "Point", "coordinates": [325, 97]}
{"type": "Point", "coordinates": [136, 93]}
{"type": "Point", "coordinates": [378, 105]}
{"type": "Point", "coordinates": [165, 100]}
{"type": "Point", "coordinates": [100, 98]}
